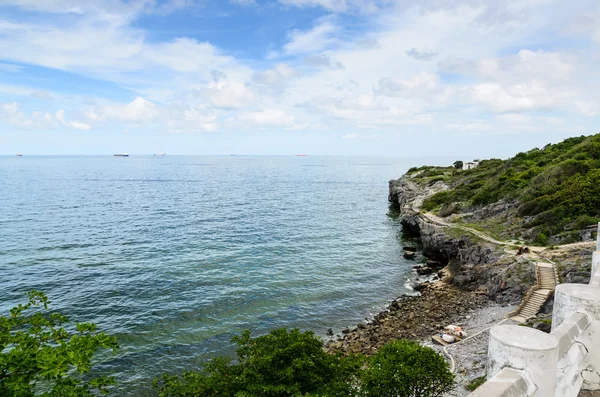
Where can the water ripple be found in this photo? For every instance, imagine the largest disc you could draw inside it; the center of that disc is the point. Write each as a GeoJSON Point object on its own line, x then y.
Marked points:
{"type": "Point", "coordinates": [175, 255]}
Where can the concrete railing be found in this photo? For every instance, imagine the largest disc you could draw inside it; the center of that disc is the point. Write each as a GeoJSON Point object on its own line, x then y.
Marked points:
{"type": "Point", "coordinates": [524, 362]}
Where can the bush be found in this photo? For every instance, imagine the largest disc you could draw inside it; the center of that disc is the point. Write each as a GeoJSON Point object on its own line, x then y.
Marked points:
{"type": "Point", "coordinates": [437, 199]}
{"type": "Point", "coordinates": [475, 383]}
{"type": "Point", "coordinates": [281, 364]}
{"type": "Point", "coordinates": [36, 350]}
{"type": "Point", "coordinates": [406, 369]}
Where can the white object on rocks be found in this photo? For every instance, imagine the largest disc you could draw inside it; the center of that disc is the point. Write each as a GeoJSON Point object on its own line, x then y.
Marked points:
{"type": "Point", "coordinates": [448, 338]}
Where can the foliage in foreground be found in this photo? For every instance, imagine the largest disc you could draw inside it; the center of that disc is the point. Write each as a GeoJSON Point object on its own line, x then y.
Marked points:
{"type": "Point", "coordinates": [38, 355]}
{"type": "Point", "coordinates": [406, 369]}
{"type": "Point", "coordinates": [293, 364]}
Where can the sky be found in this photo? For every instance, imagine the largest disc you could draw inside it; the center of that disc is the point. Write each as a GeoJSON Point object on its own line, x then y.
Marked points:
{"type": "Point", "coordinates": [479, 78]}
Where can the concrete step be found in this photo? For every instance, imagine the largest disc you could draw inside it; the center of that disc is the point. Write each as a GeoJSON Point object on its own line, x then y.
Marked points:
{"type": "Point", "coordinates": [537, 303]}
{"type": "Point", "coordinates": [536, 300]}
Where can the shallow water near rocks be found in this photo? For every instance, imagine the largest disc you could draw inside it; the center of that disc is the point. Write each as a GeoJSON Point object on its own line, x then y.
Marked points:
{"type": "Point", "coordinates": [174, 255]}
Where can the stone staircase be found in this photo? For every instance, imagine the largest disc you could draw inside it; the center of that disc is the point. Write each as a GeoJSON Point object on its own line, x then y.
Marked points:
{"type": "Point", "coordinates": [538, 295]}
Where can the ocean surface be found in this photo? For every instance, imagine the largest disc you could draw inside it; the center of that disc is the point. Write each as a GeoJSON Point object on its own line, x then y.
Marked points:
{"type": "Point", "coordinates": [174, 255]}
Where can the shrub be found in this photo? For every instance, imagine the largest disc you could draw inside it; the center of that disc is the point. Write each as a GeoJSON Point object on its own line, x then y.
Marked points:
{"type": "Point", "coordinates": [36, 349]}
{"type": "Point", "coordinates": [281, 364]}
{"type": "Point", "coordinates": [475, 383]}
{"type": "Point", "coordinates": [437, 199]}
{"type": "Point", "coordinates": [406, 369]}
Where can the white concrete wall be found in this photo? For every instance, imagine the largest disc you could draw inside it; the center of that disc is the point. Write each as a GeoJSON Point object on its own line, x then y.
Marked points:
{"type": "Point", "coordinates": [526, 349]}
{"type": "Point", "coordinates": [581, 298]}
{"type": "Point", "coordinates": [572, 354]}
{"type": "Point", "coordinates": [506, 383]}
{"type": "Point", "coordinates": [595, 278]}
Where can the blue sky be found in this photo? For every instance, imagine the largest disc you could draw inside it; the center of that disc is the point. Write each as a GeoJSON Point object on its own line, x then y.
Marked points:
{"type": "Point", "coordinates": [375, 77]}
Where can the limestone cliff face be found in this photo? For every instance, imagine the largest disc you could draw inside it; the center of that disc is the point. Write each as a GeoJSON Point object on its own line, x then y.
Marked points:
{"type": "Point", "coordinates": [474, 265]}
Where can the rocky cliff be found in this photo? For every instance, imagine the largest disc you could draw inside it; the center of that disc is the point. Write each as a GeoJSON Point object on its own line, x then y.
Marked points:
{"type": "Point", "coordinates": [471, 263]}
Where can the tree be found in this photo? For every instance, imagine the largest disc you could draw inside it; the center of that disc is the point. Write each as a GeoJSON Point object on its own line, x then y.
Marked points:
{"type": "Point", "coordinates": [38, 355]}
{"type": "Point", "coordinates": [281, 364]}
{"type": "Point", "coordinates": [458, 165]}
{"type": "Point", "coordinates": [404, 368]}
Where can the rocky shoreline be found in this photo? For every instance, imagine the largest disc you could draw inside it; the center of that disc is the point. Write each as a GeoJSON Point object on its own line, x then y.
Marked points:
{"type": "Point", "coordinates": [439, 303]}
{"type": "Point", "coordinates": [476, 276]}
{"type": "Point", "coordinates": [479, 284]}
{"type": "Point", "coordinates": [410, 317]}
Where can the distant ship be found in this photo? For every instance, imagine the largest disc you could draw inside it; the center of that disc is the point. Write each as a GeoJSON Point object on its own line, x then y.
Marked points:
{"type": "Point", "coordinates": [19, 154]}
{"type": "Point", "coordinates": [121, 154]}
{"type": "Point", "coordinates": [160, 154]}
{"type": "Point", "coordinates": [302, 155]}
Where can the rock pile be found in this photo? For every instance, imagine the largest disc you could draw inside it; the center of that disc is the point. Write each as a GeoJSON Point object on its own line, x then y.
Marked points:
{"type": "Point", "coordinates": [409, 317]}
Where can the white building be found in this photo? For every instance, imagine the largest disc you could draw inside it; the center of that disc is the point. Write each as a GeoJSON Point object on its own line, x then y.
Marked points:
{"type": "Point", "coordinates": [469, 165]}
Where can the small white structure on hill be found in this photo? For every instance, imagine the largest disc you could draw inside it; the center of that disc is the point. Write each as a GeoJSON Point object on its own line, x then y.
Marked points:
{"type": "Point", "coordinates": [469, 165]}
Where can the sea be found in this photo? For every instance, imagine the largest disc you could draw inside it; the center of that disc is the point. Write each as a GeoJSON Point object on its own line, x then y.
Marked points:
{"type": "Point", "coordinates": [175, 255]}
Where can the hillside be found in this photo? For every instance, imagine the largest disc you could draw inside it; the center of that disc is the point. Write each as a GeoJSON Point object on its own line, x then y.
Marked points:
{"type": "Point", "coordinates": [544, 196]}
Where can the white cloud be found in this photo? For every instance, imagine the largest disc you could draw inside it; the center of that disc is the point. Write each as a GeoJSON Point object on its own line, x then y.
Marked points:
{"type": "Point", "coordinates": [139, 110]}
{"type": "Point", "coordinates": [60, 116]}
{"type": "Point", "coordinates": [423, 82]}
{"type": "Point", "coordinates": [323, 61]}
{"type": "Point", "coordinates": [513, 98]}
{"type": "Point", "coordinates": [229, 94]}
{"type": "Point", "coordinates": [431, 62]}
{"type": "Point", "coordinates": [276, 79]}
{"type": "Point", "coordinates": [13, 114]}
{"type": "Point", "coordinates": [320, 37]}
{"type": "Point", "coordinates": [421, 55]}
{"type": "Point", "coordinates": [42, 94]}
{"type": "Point", "coordinates": [267, 118]}
{"type": "Point", "coordinates": [192, 119]}
{"type": "Point", "coordinates": [80, 126]}
{"type": "Point", "coordinates": [332, 5]}
{"type": "Point", "coordinates": [588, 108]}
{"type": "Point", "coordinates": [363, 6]}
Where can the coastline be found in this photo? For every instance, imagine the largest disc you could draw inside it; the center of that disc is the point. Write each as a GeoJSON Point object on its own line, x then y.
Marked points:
{"type": "Point", "coordinates": [481, 282]}
{"type": "Point", "coordinates": [411, 317]}
{"type": "Point", "coordinates": [439, 303]}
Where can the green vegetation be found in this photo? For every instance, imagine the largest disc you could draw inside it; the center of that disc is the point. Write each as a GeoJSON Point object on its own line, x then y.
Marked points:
{"type": "Point", "coordinates": [38, 355]}
{"type": "Point", "coordinates": [293, 364]}
{"type": "Point", "coordinates": [282, 363]}
{"type": "Point", "coordinates": [406, 369]}
{"type": "Point", "coordinates": [557, 188]}
{"type": "Point", "coordinates": [475, 383]}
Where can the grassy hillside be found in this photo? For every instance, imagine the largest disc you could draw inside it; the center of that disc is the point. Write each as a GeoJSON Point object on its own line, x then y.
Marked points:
{"type": "Point", "coordinates": [556, 189]}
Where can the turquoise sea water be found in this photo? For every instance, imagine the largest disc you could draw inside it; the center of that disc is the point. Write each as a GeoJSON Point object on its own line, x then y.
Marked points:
{"type": "Point", "coordinates": [174, 255]}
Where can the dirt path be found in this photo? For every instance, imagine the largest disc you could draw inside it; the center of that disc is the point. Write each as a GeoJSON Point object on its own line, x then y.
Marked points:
{"type": "Point", "coordinates": [484, 236]}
